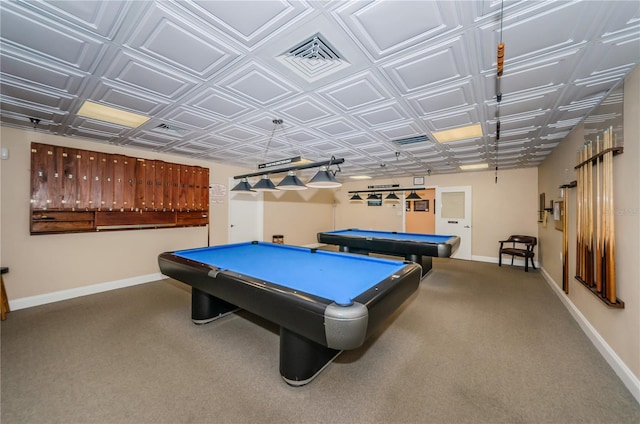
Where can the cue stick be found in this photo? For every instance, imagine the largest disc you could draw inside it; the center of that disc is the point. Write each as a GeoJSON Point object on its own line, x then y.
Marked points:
{"type": "Point", "coordinates": [598, 221]}
{"type": "Point", "coordinates": [590, 216]}
{"type": "Point", "coordinates": [611, 253]}
{"type": "Point", "coordinates": [578, 216]}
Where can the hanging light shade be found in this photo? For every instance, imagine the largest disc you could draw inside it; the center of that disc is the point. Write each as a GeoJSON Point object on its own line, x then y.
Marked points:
{"type": "Point", "coordinates": [372, 196]}
{"type": "Point", "coordinates": [392, 196]}
{"type": "Point", "coordinates": [265, 184]}
{"type": "Point", "coordinates": [413, 196]}
{"type": "Point", "coordinates": [356, 197]}
{"type": "Point", "coordinates": [324, 179]}
{"type": "Point", "coordinates": [291, 182]}
{"type": "Point", "coordinates": [243, 185]}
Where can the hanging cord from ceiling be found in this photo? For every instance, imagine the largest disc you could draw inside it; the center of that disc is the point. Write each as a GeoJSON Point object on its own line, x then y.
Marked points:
{"type": "Point", "coordinates": [500, 69]}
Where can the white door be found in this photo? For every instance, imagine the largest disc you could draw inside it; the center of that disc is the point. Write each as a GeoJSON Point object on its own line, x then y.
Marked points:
{"type": "Point", "coordinates": [453, 217]}
{"type": "Point", "coordinates": [245, 215]}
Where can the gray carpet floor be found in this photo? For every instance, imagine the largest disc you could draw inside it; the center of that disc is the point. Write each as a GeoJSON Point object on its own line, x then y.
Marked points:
{"type": "Point", "coordinates": [476, 344]}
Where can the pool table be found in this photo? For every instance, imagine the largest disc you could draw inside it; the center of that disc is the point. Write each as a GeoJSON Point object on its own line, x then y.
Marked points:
{"type": "Point", "coordinates": [324, 302]}
{"type": "Point", "coordinates": [419, 248]}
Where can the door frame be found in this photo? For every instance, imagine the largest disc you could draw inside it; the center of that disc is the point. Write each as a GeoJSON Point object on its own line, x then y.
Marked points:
{"type": "Point", "coordinates": [467, 238]}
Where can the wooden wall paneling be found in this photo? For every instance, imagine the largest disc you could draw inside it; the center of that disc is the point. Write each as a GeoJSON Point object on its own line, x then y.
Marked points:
{"type": "Point", "coordinates": [184, 185]}
{"type": "Point", "coordinates": [84, 179]}
{"type": "Point", "coordinates": [54, 183]}
{"type": "Point", "coordinates": [141, 185]}
{"type": "Point", "coordinates": [158, 189]}
{"type": "Point", "coordinates": [205, 189]}
{"type": "Point", "coordinates": [197, 193]}
{"type": "Point", "coordinates": [118, 181]}
{"type": "Point", "coordinates": [150, 182]}
{"type": "Point", "coordinates": [107, 171]}
{"type": "Point", "coordinates": [69, 178]}
{"type": "Point", "coordinates": [191, 184]}
{"type": "Point", "coordinates": [39, 176]}
{"type": "Point", "coordinates": [95, 197]}
{"type": "Point", "coordinates": [176, 173]}
{"type": "Point", "coordinates": [129, 184]}
{"type": "Point", "coordinates": [168, 184]}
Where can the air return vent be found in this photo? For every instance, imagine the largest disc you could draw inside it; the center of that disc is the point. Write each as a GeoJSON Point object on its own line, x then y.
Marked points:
{"type": "Point", "coordinates": [411, 140]}
{"type": "Point", "coordinates": [313, 58]}
{"type": "Point", "coordinates": [171, 129]}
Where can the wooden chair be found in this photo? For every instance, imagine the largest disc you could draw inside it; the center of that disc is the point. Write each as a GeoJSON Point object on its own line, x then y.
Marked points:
{"type": "Point", "coordinates": [518, 245]}
{"type": "Point", "coordinates": [4, 302]}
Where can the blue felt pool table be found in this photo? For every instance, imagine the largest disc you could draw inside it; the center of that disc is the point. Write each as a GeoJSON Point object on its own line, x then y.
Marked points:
{"type": "Point", "coordinates": [324, 302]}
{"type": "Point", "coordinates": [419, 248]}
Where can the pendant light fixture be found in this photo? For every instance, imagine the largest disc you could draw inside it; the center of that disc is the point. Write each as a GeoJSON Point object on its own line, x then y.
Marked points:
{"type": "Point", "coordinates": [413, 196]}
{"type": "Point", "coordinates": [324, 179]}
{"type": "Point", "coordinates": [392, 196]}
{"type": "Point", "coordinates": [291, 182]}
{"type": "Point", "coordinates": [243, 186]}
{"type": "Point", "coordinates": [265, 184]}
{"type": "Point", "coordinates": [356, 197]}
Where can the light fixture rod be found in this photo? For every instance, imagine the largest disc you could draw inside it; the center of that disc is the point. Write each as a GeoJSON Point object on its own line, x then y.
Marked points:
{"type": "Point", "coordinates": [332, 161]}
{"type": "Point", "coordinates": [378, 190]}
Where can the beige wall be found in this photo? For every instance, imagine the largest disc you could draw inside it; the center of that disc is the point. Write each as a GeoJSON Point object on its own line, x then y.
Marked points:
{"type": "Point", "coordinates": [298, 215]}
{"type": "Point", "coordinates": [50, 263]}
{"type": "Point", "coordinates": [508, 207]}
{"type": "Point", "coordinates": [620, 328]}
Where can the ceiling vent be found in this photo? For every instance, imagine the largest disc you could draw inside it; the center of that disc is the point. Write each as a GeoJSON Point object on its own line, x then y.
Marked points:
{"type": "Point", "coordinates": [313, 58]}
{"type": "Point", "coordinates": [411, 140]}
{"type": "Point", "coordinates": [171, 129]}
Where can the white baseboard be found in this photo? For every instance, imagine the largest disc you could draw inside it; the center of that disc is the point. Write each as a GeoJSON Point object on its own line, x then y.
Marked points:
{"type": "Point", "coordinates": [42, 299]}
{"type": "Point", "coordinates": [631, 382]}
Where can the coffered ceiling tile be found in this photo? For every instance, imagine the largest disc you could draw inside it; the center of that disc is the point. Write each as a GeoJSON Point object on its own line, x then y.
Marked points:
{"type": "Point", "coordinates": [121, 96]}
{"type": "Point", "coordinates": [429, 67]}
{"type": "Point", "coordinates": [49, 39]}
{"type": "Point", "coordinates": [304, 110]}
{"type": "Point", "coordinates": [190, 119]}
{"type": "Point", "coordinates": [167, 38]}
{"type": "Point", "coordinates": [212, 100]}
{"type": "Point", "coordinates": [389, 113]}
{"type": "Point", "coordinates": [145, 75]}
{"type": "Point", "coordinates": [251, 23]}
{"type": "Point", "coordinates": [101, 18]}
{"type": "Point", "coordinates": [414, 21]}
{"type": "Point", "coordinates": [337, 127]}
{"type": "Point", "coordinates": [361, 90]}
{"type": "Point", "coordinates": [18, 108]}
{"type": "Point", "coordinates": [41, 73]}
{"type": "Point", "coordinates": [12, 89]}
{"type": "Point", "coordinates": [238, 133]}
{"type": "Point", "coordinates": [457, 118]}
{"type": "Point", "coordinates": [257, 84]}
{"type": "Point", "coordinates": [437, 101]}
{"type": "Point", "coordinates": [404, 130]}
{"type": "Point", "coordinates": [81, 125]}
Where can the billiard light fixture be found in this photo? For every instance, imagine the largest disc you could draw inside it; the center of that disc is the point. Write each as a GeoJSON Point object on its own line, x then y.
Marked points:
{"type": "Point", "coordinates": [325, 178]}
{"type": "Point", "coordinates": [392, 195]}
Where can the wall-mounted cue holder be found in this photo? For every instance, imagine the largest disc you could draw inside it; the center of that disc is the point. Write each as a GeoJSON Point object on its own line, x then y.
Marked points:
{"type": "Point", "coordinates": [74, 190]}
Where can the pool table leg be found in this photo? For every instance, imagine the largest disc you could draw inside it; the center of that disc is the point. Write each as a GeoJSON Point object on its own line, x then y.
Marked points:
{"type": "Point", "coordinates": [301, 359]}
{"type": "Point", "coordinates": [424, 261]}
{"type": "Point", "coordinates": [205, 307]}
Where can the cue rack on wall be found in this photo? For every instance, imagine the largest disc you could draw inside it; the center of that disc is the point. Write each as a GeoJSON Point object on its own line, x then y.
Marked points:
{"type": "Point", "coordinates": [74, 190]}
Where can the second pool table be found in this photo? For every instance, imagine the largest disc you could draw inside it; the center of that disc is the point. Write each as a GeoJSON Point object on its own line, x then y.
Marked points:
{"type": "Point", "coordinates": [419, 248]}
{"type": "Point", "coordinates": [324, 302]}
